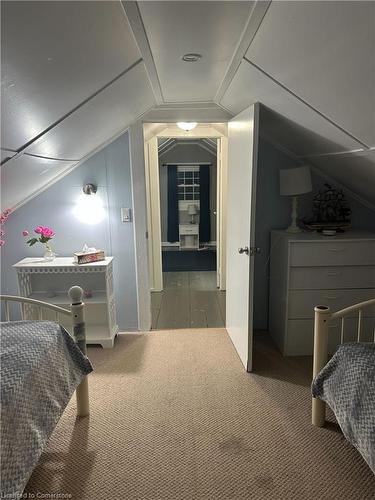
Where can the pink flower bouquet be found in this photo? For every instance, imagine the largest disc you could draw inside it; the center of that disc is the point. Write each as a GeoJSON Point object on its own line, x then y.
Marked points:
{"type": "Point", "coordinates": [45, 234]}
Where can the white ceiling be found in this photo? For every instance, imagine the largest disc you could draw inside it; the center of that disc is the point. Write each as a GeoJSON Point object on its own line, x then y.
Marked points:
{"type": "Point", "coordinates": [325, 53]}
{"type": "Point", "coordinates": [6, 153]}
{"type": "Point", "coordinates": [357, 171]}
{"type": "Point", "coordinates": [54, 56]}
{"type": "Point", "coordinates": [167, 144]}
{"type": "Point", "coordinates": [98, 120]}
{"type": "Point", "coordinates": [28, 175]}
{"type": "Point", "coordinates": [212, 29]}
{"type": "Point", "coordinates": [316, 135]}
{"type": "Point", "coordinates": [90, 69]}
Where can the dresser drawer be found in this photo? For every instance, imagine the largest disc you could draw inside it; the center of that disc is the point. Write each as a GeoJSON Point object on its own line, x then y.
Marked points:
{"type": "Point", "coordinates": [302, 302]}
{"type": "Point", "coordinates": [300, 336]}
{"type": "Point", "coordinates": [332, 253]}
{"type": "Point", "coordinates": [189, 229]}
{"type": "Point", "coordinates": [315, 278]}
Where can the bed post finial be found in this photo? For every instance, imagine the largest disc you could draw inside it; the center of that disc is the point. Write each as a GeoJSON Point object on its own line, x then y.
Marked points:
{"type": "Point", "coordinates": [322, 316]}
{"type": "Point", "coordinates": [79, 329]}
{"type": "Point", "coordinates": [75, 294]}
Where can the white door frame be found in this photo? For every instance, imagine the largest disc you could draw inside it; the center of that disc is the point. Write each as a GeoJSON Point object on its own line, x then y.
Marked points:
{"type": "Point", "coordinates": [153, 196]}
{"type": "Point", "coordinates": [153, 215]}
{"type": "Point", "coordinates": [221, 208]}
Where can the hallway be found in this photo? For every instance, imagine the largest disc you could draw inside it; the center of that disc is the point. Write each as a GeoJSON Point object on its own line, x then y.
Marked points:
{"type": "Point", "coordinates": [189, 300]}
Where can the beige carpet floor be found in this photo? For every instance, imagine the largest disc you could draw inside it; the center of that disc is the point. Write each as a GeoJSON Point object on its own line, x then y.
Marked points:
{"type": "Point", "coordinates": [174, 416]}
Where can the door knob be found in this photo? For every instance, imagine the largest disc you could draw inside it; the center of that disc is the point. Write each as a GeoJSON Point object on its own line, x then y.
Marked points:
{"type": "Point", "coordinates": [244, 250]}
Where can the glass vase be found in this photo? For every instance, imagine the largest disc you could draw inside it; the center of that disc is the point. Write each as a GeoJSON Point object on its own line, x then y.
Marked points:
{"type": "Point", "coordinates": [49, 254]}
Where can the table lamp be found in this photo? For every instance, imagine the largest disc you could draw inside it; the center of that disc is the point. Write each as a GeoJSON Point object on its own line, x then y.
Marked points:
{"type": "Point", "coordinates": [293, 182]}
{"type": "Point", "coordinates": [192, 210]}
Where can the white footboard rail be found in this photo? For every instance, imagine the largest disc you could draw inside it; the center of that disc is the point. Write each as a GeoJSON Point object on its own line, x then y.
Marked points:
{"type": "Point", "coordinates": [76, 312]}
{"type": "Point", "coordinates": [323, 316]}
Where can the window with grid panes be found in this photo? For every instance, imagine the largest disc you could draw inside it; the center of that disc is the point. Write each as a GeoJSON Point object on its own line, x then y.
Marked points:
{"type": "Point", "coordinates": [188, 185]}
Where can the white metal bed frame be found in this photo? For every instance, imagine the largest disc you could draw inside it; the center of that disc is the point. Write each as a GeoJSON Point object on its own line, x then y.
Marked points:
{"type": "Point", "coordinates": [323, 316]}
{"type": "Point", "coordinates": [76, 313]}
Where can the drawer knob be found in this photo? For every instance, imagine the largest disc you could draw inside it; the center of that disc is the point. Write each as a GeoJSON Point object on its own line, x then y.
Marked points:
{"type": "Point", "coordinates": [337, 249]}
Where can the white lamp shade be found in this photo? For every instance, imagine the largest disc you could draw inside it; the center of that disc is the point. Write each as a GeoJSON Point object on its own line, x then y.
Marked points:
{"type": "Point", "coordinates": [294, 181]}
{"type": "Point", "coordinates": [192, 209]}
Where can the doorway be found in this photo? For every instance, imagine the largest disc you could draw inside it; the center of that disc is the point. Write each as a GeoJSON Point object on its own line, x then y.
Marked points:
{"type": "Point", "coordinates": [186, 180]}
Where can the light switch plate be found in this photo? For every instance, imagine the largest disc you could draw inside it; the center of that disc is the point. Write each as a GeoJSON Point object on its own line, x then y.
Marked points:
{"type": "Point", "coordinates": [126, 214]}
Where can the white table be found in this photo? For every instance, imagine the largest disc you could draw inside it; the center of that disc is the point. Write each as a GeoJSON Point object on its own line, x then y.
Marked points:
{"type": "Point", "coordinates": [50, 281]}
{"type": "Point", "coordinates": [189, 236]}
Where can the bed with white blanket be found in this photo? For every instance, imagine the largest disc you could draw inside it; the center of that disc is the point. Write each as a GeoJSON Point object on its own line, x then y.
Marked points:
{"type": "Point", "coordinates": [347, 382]}
{"type": "Point", "coordinates": [41, 367]}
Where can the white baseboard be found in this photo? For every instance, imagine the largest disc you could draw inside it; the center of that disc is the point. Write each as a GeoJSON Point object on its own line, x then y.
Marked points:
{"type": "Point", "coordinates": [168, 244]}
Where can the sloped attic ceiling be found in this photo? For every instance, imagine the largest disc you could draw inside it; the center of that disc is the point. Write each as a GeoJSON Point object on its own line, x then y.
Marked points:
{"type": "Point", "coordinates": [312, 64]}
{"type": "Point", "coordinates": [72, 78]}
{"type": "Point", "coordinates": [76, 74]}
{"type": "Point", "coordinates": [166, 145]}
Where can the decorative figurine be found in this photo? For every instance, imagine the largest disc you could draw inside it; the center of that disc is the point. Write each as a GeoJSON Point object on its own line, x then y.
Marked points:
{"type": "Point", "coordinates": [331, 211]}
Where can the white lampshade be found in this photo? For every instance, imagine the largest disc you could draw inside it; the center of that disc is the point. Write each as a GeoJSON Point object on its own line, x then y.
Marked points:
{"type": "Point", "coordinates": [294, 181]}
{"type": "Point", "coordinates": [192, 209]}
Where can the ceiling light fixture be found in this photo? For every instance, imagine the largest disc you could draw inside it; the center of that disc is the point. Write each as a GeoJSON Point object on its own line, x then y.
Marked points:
{"type": "Point", "coordinates": [187, 126]}
{"type": "Point", "coordinates": [191, 57]}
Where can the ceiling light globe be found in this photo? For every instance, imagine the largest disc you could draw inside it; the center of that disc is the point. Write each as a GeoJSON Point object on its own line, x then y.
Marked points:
{"type": "Point", "coordinates": [187, 126]}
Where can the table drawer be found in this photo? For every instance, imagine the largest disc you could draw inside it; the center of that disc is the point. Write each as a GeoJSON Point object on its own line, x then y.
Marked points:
{"type": "Point", "coordinates": [332, 253]}
{"type": "Point", "coordinates": [315, 278]}
{"type": "Point", "coordinates": [193, 229]}
{"type": "Point", "coordinates": [302, 302]}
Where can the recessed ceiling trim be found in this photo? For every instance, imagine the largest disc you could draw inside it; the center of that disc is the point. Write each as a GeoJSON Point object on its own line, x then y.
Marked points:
{"type": "Point", "coordinates": [8, 150]}
{"type": "Point", "coordinates": [131, 10]}
{"type": "Point", "coordinates": [189, 105]}
{"type": "Point", "coordinates": [39, 137]}
{"type": "Point", "coordinates": [50, 158]}
{"type": "Point", "coordinates": [202, 113]}
{"type": "Point", "coordinates": [253, 24]}
{"type": "Point", "coordinates": [335, 153]}
{"type": "Point", "coordinates": [325, 117]}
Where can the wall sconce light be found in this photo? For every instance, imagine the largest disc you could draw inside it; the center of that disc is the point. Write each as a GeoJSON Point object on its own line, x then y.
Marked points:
{"type": "Point", "coordinates": [89, 208]}
{"type": "Point", "coordinates": [89, 189]}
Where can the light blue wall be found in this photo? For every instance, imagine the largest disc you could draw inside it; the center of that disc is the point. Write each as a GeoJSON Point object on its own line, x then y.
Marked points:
{"type": "Point", "coordinates": [110, 171]}
{"type": "Point", "coordinates": [273, 212]}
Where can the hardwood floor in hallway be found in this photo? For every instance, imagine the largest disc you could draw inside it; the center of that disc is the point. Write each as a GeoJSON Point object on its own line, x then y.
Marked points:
{"type": "Point", "coordinates": [189, 300]}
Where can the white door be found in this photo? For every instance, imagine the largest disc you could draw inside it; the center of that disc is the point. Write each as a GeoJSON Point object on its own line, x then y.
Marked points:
{"type": "Point", "coordinates": [242, 172]}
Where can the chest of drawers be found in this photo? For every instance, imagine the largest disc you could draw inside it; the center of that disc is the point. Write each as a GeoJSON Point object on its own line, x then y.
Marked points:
{"type": "Point", "coordinates": [309, 269]}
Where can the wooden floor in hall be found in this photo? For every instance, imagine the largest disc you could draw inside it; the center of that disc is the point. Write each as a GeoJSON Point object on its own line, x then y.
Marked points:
{"type": "Point", "coordinates": [189, 300]}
